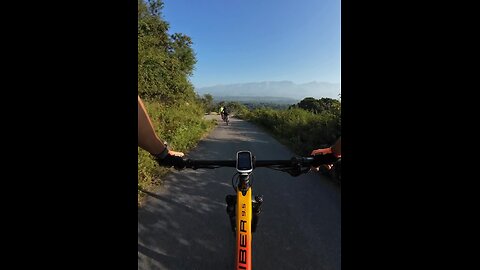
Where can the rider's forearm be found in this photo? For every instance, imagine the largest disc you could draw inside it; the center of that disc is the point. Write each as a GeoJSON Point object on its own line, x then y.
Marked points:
{"type": "Point", "coordinates": [147, 139]}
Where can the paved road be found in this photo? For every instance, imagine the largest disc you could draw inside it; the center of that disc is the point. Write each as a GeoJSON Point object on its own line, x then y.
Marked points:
{"type": "Point", "coordinates": [184, 225]}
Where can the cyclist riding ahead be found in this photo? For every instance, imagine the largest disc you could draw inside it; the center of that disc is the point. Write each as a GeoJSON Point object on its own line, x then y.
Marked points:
{"type": "Point", "coordinates": [221, 112]}
{"type": "Point", "coordinates": [226, 112]}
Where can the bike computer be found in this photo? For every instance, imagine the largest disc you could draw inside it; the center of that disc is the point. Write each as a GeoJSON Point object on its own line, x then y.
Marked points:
{"type": "Point", "coordinates": [244, 162]}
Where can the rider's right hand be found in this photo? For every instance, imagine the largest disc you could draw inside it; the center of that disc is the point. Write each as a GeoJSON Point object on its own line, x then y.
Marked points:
{"type": "Point", "coordinates": [323, 156]}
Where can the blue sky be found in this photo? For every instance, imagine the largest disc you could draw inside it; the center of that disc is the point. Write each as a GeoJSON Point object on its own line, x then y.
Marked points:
{"type": "Point", "coordinates": [238, 41]}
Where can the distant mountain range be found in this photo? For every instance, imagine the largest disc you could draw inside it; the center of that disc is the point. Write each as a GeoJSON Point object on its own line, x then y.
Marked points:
{"type": "Point", "coordinates": [283, 89]}
{"type": "Point", "coordinates": [254, 100]}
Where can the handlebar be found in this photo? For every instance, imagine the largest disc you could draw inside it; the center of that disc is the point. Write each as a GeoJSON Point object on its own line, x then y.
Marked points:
{"type": "Point", "coordinates": [294, 166]}
{"type": "Point", "coordinates": [212, 164]}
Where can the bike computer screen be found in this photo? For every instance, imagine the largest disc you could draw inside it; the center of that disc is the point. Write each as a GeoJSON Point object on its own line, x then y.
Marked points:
{"type": "Point", "coordinates": [244, 161]}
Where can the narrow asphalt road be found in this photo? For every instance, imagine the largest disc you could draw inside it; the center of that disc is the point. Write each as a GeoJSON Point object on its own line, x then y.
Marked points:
{"type": "Point", "coordinates": [184, 225]}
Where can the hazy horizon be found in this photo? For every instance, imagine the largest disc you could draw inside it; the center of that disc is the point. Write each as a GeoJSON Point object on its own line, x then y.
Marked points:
{"type": "Point", "coordinates": [264, 81]}
{"type": "Point", "coordinates": [286, 89]}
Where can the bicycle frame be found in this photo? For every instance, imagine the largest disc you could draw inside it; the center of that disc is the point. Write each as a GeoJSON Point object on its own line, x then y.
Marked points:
{"type": "Point", "coordinates": [244, 229]}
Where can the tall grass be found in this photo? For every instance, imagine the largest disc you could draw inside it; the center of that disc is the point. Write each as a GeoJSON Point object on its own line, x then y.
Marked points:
{"type": "Point", "coordinates": [181, 125]}
{"type": "Point", "coordinates": [299, 129]}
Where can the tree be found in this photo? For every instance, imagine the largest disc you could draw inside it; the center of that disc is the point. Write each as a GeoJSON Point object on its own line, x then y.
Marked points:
{"type": "Point", "coordinates": [180, 48]}
{"type": "Point", "coordinates": [317, 106]}
{"type": "Point", "coordinates": [165, 61]}
{"type": "Point", "coordinates": [310, 104]}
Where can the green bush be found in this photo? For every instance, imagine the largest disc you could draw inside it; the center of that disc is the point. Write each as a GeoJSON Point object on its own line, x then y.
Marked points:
{"type": "Point", "coordinates": [300, 129]}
